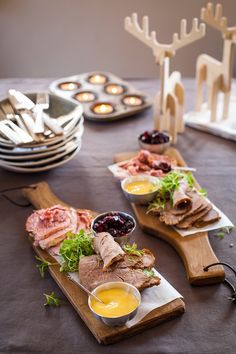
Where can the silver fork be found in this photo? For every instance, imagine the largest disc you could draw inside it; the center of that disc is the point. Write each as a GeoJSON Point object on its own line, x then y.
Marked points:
{"type": "Point", "coordinates": [42, 103]}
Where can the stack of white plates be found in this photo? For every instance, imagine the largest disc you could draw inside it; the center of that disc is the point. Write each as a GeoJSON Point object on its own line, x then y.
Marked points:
{"type": "Point", "coordinates": [54, 150]}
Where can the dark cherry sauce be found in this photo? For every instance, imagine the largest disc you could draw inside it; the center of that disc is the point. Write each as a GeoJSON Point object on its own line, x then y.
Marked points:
{"type": "Point", "coordinates": [116, 224]}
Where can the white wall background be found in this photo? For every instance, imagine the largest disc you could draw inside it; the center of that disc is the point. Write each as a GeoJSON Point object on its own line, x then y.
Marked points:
{"type": "Point", "coordinates": [40, 38]}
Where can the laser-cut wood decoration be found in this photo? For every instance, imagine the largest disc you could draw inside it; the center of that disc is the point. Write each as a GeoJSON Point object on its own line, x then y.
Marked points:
{"type": "Point", "coordinates": [169, 101]}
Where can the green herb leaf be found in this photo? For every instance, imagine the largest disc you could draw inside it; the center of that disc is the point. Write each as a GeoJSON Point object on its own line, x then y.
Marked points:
{"type": "Point", "coordinates": [202, 192]}
{"type": "Point", "coordinates": [51, 300]}
{"type": "Point", "coordinates": [166, 187]}
{"type": "Point", "coordinates": [220, 235]}
{"type": "Point", "coordinates": [43, 266]}
{"type": "Point", "coordinates": [73, 248]}
{"type": "Point", "coordinates": [132, 249]}
{"type": "Point", "coordinates": [149, 273]}
{"type": "Point", "coordinates": [223, 231]}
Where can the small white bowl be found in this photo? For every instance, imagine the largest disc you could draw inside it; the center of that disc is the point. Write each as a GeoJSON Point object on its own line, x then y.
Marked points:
{"type": "Point", "coordinates": [156, 148]}
{"type": "Point", "coordinates": [119, 320]}
{"type": "Point", "coordinates": [140, 199]}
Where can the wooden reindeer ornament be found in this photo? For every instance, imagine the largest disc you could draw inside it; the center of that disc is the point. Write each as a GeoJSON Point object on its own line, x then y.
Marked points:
{"type": "Point", "coordinates": [169, 101]}
{"type": "Point", "coordinates": [217, 74]}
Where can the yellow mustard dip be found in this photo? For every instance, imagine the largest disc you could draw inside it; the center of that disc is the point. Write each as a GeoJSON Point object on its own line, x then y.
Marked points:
{"type": "Point", "coordinates": [139, 187]}
{"type": "Point", "coordinates": [117, 302]}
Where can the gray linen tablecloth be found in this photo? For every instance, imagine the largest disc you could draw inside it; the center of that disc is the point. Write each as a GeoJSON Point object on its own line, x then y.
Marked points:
{"type": "Point", "coordinates": [27, 327]}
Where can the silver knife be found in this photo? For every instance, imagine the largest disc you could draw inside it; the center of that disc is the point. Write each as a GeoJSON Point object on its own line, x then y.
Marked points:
{"type": "Point", "coordinates": [24, 106]}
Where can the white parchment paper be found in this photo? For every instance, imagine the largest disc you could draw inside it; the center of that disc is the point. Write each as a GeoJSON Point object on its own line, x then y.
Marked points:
{"type": "Point", "coordinates": [152, 298]}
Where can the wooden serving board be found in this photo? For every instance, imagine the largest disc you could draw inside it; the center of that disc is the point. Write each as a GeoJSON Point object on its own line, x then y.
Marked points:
{"type": "Point", "coordinates": [41, 196]}
{"type": "Point", "coordinates": [195, 250]}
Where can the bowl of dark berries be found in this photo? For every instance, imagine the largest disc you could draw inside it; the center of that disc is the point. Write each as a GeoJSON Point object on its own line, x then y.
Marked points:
{"type": "Point", "coordinates": [154, 141]}
{"type": "Point", "coordinates": [117, 223]}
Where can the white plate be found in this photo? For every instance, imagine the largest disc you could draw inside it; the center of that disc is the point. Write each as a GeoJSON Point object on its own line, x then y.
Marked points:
{"type": "Point", "coordinates": [64, 160]}
{"type": "Point", "coordinates": [15, 158]}
{"type": "Point", "coordinates": [27, 153]}
{"type": "Point", "coordinates": [43, 161]}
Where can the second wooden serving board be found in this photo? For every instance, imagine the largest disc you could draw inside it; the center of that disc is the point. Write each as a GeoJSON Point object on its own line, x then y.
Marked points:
{"type": "Point", "coordinates": [195, 250]}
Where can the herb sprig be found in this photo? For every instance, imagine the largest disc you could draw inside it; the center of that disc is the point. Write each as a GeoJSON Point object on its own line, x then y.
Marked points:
{"type": "Point", "coordinates": [51, 300]}
{"type": "Point", "coordinates": [223, 231]}
{"type": "Point", "coordinates": [149, 273]}
{"type": "Point", "coordinates": [73, 248]}
{"type": "Point", "coordinates": [43, 266]}
{"type": "Point", "coordinates": [167, 186]}
{"type": "Point", "coordinates": [132, 249]}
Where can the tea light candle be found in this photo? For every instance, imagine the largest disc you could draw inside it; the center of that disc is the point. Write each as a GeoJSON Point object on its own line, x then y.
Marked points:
{"type": "Point", "coordinates": [69, 86]}
{"type": "Point", "coordinates": [114, 89]}
{"type": "Point", "coordinates": [132, 100]}
{"type": "Point", "coordinates": [103, 108]}
{"type": "Point", "coordinates": [85, 96]}
{"type": "Point", "coordinates": [97, 79]}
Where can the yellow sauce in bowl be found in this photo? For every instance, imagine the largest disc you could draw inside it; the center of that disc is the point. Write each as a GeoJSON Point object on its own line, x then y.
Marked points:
{"type": "Point", "coordinates": [117, 303]}
{"type": "Point", "coordinates": [139, 187]}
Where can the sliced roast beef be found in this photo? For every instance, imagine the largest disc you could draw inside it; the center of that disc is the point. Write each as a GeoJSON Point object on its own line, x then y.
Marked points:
{"type": "Point", "coordinates": [190, 220]}
{"type": "Point", "coordinates": [210, 218]}
{"type": "Point", "coordinates": [109, 250]}
{"type": "Point", "coordinates": [91, 274]}
{"type": "Point", "coordinates": [146, 260]}
{"type": "Point", "coordinates": [181, 201]}
{"type": "Point", "coordinates": [198, 203]}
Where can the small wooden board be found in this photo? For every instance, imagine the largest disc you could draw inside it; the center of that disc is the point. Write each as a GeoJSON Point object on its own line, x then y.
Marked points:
{"type": "Point", "coordinates": [41, 196]}
{"type": "Point", "coordinates": [195, 250]}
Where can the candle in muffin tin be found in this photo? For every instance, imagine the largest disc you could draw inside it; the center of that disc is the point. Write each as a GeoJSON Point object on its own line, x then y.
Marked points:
{"type": "Point", "coordinates": [97, 79]}
{"type": "Point", "coordinates": [132, 100]}
{"type": "Point", "coordinates": [85, 96]}
{"type": "Point", "coordinates": [69, 86]}
{"type": "Point", "coordinates": [114, 89]}
{"type": "Point", "coordinates": [103, 108]}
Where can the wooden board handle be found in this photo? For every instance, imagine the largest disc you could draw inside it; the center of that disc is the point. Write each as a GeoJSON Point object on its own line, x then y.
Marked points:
{"type": "Point", "coordinates": [41, 196]}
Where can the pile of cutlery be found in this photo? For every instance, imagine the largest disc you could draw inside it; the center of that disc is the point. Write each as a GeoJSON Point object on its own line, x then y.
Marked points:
{"type": "Point", "coordinates": [38, 131]}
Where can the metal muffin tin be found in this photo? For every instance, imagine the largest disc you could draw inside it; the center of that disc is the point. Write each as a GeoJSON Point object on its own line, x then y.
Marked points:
{"type": "Point", "coordinates": [82, 84]}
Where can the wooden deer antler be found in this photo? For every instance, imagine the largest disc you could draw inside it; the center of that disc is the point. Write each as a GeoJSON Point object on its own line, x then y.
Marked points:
{"type": "Point", "coordinates": [216, 20]}
{"type": "Point", "coordinates": [161, 51]}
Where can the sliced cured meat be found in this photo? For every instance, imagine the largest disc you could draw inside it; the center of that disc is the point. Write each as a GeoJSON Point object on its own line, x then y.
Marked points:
{"type": "Point", "coordinates": [59, 236]}
{"type": "Point", "coordinates": [146, 163]}
{"type": "Point", "coordinates": [43, 223]}
{"type": "Point", "coordinates": [84, 218]}
{"type": "Point", "coordinates": [49, 227]}
{"type": "Point", "coordinates": [109, 250]}
{"type": "Point", "coordinates": [91, 274]}
{"type": "Point", "coordinates": [190, 220]}
{"type": "Point", "coordinates": [211, 217]}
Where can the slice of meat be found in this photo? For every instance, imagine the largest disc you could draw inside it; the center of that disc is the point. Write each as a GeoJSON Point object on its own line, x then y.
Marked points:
{"type": "Point", "coordinates": [45, 222]}
{"type": "Point", "coordinates": [59, 236]}
{"type": "Point", "coordinates": [188, 222]}
{"type": "Point", "coordinates": [211, 217]}
{"type": "Point", "coordinates": [181, 201]}
{"type": "Point", "coordinates": [198, 203]}
{"type": "Point", "coordinates": [146, 260]}
{"type": "Point", "coordinates": [109, 250]}
{"type": "Point", "coordinates": [84, 219]}
{"type": "Point", "coordinates": [91, 274]}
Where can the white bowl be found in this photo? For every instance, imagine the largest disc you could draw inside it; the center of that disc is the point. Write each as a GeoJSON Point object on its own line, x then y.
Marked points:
{"type": "Point", "coordinates": [119, 320]}
{"type": "Point", "coordinates": [156, 148]}
{"type": "Point", "coordinates": [140, 199]}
